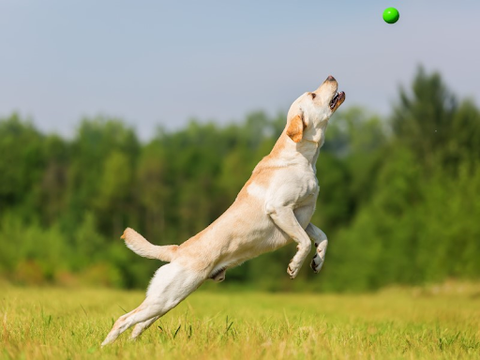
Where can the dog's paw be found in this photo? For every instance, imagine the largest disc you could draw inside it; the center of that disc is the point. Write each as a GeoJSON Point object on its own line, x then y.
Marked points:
{"type": "Point", "coordinates": [319, 258]}
{"type": "Point", "coordinates": [316, 264]}
{"type": "Point", "coordinates": [292, 271]}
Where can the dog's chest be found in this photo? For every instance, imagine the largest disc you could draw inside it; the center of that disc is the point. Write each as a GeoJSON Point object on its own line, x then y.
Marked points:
{"type": "Point", "coordinates": [307, 193]}
{"type": "Point", "coordinates": [307, 188]}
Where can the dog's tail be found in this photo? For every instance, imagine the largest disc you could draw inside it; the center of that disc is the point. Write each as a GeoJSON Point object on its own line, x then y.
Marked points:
{"type": "Point", "coordinates": [139, 245]}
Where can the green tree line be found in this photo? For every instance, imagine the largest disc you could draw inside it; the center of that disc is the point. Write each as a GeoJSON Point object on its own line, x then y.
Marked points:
{"type": "Point", "coordinates": [398, 195]}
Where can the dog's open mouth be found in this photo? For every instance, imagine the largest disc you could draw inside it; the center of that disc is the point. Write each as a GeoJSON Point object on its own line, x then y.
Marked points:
{"type": "Point", "coordinates": [337, 100]}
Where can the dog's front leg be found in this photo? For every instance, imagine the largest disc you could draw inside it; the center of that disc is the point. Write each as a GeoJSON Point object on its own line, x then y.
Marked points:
{"type": "Point", "coordinates": [284, 218]}
{"type": "Point", "coordinates": [321, 243]}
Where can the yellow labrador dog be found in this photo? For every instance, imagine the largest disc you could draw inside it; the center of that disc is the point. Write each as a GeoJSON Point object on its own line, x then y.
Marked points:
{"type": "Point", "coordinates": [273, 209]}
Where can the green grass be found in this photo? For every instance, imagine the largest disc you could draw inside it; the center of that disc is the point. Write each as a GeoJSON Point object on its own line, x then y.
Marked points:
{"type": "Point", "coordinates": [423, 323]}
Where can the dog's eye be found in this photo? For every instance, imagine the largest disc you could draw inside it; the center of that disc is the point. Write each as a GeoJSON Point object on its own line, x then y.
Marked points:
{"type": "Point", "coordinates": [313, 95]}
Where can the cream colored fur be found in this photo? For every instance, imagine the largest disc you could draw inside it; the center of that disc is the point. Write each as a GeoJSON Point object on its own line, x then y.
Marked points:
{"type": "Point", "coordinates": [273, 209]}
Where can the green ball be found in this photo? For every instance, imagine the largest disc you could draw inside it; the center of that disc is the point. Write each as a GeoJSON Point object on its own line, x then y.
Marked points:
{"type": "Point", "coordinates": [391, 15]}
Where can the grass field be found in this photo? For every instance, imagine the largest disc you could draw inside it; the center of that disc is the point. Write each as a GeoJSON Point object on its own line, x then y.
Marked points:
{"type": "Point", "coordinates": [423, 323]}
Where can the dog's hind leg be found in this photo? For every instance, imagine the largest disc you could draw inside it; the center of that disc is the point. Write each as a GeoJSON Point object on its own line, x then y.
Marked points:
{"type": "Point", "coordinates": [321, 243]}
{"type": "Point", "coordinates": [141, 327]}
{"type": "Point", "coordinates": [169, 286]}
{"type": "Point", "coordinates": [142, 313]}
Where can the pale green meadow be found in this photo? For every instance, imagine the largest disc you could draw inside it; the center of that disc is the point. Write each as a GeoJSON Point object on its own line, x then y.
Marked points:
{"type": "Point", "coordinates": [437, 322]}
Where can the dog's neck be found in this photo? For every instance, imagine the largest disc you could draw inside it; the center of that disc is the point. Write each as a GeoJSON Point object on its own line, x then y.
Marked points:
{"type": "Point", "coordinates": [292, 153]}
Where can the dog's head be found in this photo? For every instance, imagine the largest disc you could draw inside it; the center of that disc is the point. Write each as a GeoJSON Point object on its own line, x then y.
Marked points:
{"type": "Point", "coordinates": [311, 111]}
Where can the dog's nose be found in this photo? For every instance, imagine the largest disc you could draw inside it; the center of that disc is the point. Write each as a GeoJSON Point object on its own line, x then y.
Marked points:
{"type": "Point", "coordinates": [330, 78]}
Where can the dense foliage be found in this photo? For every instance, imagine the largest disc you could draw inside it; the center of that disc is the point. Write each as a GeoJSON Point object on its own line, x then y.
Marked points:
{"type": "Point", "coordinates": [398, 196]}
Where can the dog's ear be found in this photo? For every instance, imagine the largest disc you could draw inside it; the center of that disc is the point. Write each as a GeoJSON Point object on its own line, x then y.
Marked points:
{"type": "Point", "coordinates": [295, 128]}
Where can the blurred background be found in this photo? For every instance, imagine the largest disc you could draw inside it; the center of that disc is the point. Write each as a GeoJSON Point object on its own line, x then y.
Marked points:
{"type": "Point", "coordinates": [152, 115]}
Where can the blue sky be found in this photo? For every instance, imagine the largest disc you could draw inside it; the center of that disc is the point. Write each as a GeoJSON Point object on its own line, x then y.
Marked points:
{"type": "Point", "coordinates": [156, 62]}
